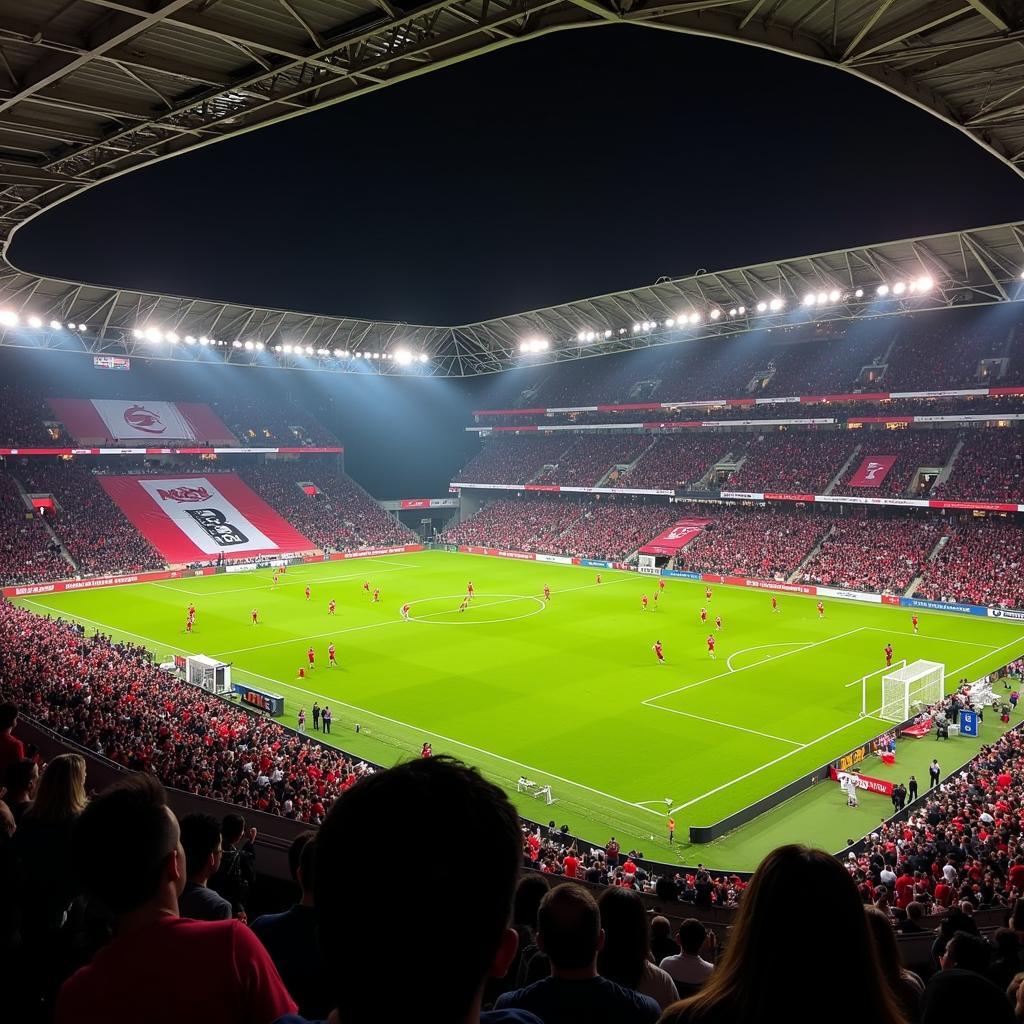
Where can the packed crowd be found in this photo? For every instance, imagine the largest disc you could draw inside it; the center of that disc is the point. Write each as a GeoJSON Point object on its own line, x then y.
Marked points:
{"type": "Point", "coordinates": [913, 449]}
{"type": "Point", "coordinates": [518, 525]}
{"type": "Point", "coordinates": [589, 459]}
{"type": "Point", "coordinates": [989, 467]}
{"type": "Point", "coordinates": [765, 543]}
{"type": "Point", "coordinates": [613, 531]}
{"type": "Point", "coordinates": [23, 416]}
{"type": "Point", "coordinates": [795, 464]}
{"type": "Point", "coordinates": [981, 563]}
{"type": "Point", "coordinates": [675, 461]}
{"type": "Point", "coordinates": [112, 699]}
{"type": "Point", "coordinates": [340, 516]}
{"type": "Point", "coordinates": [514, 460]}
{"type": "Point", "coordinates": [90, 525]}
{"type": "Point", "coordinates": [257, 422]}
{"type": "Point", "coordinates": [26, 548]}
{"type": "Point", "coordinates": [869, 553]}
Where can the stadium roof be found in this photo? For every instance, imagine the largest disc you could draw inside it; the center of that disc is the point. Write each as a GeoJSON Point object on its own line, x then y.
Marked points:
{"type": "Point", "coordinates": [90, 89]}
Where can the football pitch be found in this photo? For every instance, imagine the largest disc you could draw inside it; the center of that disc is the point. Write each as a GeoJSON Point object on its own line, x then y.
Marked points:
{"type": "Point", "coordinates": [568, 693]}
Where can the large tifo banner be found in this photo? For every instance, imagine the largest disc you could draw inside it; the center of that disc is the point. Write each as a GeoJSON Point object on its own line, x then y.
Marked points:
{"type": "Point", "coordinates": [872, 471]}
{"type": "Point", "coordinates": [156, 423]}
{"type": "Point", "coordinates": [674, 538]}
{"type": "Point", "coordinates": [193, 518]}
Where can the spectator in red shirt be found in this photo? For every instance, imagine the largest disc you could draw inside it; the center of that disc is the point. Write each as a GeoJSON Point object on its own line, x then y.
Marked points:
{"type": "Point", "coordinates": [159, 967]}
{"type": "Point", "coordinates": [12, 749]}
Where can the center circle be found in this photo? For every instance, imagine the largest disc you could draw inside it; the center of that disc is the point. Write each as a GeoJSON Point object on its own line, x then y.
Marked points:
{"type": "Point", "coordinates": [444, 611]}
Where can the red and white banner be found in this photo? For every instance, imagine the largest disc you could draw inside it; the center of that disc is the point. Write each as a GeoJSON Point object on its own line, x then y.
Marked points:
{"type": "Point", "coordinates": [397, 549]}
{"type": "Point", "coordinates": [872, 471]}
{"type": "Point", "coordinates": [134, 420]}
{"type": "Point", "coordinates": [66, 586]}
{"type": "Point", "coordinates": [101, 420]}
{"type": "Point", "coordinates": [865, 782]}
{"type": "Point", "coordinates": [192, 518]}
{"type": "Point", "coordinates": [676, 537]}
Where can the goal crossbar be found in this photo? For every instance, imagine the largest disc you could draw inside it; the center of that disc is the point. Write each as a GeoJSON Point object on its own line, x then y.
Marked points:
{"type": "Point", "coordinates": [910, 688]}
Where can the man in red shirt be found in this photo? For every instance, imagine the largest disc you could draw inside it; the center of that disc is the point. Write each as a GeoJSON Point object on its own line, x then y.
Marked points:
{"type": "Point", "coordinates": [127, 849]}
{"type": "Point", "coordinates": [711, 645]}
{"type": "Point", "coordinates": [311, 655]}
{"type": "Point", "coordinates": [570, 863]}
{"type": "Point", "coordinates": [12, 749]}
{"type": "Point", "coordinates": [331, 605]}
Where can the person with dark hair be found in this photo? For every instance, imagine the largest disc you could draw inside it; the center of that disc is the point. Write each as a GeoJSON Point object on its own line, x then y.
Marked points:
{"type": "Point", "coordinates": [968, 952]}
{"type": "Point", "coordinates": [906, 986]}
{"type": "Point", "coordinates": [800, 910]}
{"type": "Point", "coordinates": [1005, 963]}
{"type": "Point", "coordinates": [11, 748]}
{"type": "Point", "coordinates": [466, 934]}
{"type": "Point", "coordinates": [689, 969]}
{"type": "Point", "coordinates": [200, 839]}
{"type": "Point", "coordinates": [662, 943]}
{"type": "Point", "coordinates": [529, 963]}
{"type": "Point", "coordinates": [625, 957]}
{"type": "Point", "coordinates": [22, 780]}
{"type": "Point", "coordinates": [159, 967]}
{"type": "Point", "coordinates": [960, 990]}
{"type": "Point", "coordinates": [569, 931]}
{"type": "Point", "coordinates": [234, 877]}
{"type": "Point", "coordinates": [290, 937]}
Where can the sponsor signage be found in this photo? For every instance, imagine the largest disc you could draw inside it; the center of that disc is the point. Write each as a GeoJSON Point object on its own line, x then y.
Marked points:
{"type": "Point", "coordinates": [849, 595]}
{"type": "Point", "coordinates": [941, 606]}
{"type": "Point", "coordinates": [594, 563]}
{"type": "Point", "coordinates": [557, 559]}
{"type": "Point", "coordinates": [111, 363]}
{"type": "Point", "coordinates": [261, 700]}
{"type": "Point", "coordinates": [396, 549]}
{"type": "Point", "coordinates": [881, 786]}
{"type": "Point", "coordinates": [65, 586]}
{"type": "Point", "coordinates": [1012, 614]}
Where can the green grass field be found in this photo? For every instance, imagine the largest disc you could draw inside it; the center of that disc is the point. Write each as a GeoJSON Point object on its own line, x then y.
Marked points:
{"type": "Point", "coordinates": [570, 693]}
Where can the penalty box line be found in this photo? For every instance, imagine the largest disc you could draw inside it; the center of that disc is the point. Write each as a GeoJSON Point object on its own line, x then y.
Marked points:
{"type": "Point", "coordinates": [377, 715]}
{"type": "Point", "coordinates": [829, 735]}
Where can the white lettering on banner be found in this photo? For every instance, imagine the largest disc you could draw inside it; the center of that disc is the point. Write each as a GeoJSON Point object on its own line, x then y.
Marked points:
{"type": "Point", "coordinates": [743, 495]}
{"type": "Point", "coordinates": [650, 570]}
{"type": "Point", "coordinates": [790, 588]}
{"type": "Point", "coordinates": [205, 516]}
{"type": "Point", "coordinates": [972, 418]}
{"type": "Point", "coordinates": [962, 393]}
{"type": "Point", "coordinates": [34, 588]}
{"type": "Point", "coordinates": [154, 420]}
{"type": "Point", "coordinates": [1006, 613]}
{"type": "Point", "coordinates": [858, 500]}
{"type": "Point", "coordinates": [776, 401]}
{"type": "Point", "coordinates": [557, 559]}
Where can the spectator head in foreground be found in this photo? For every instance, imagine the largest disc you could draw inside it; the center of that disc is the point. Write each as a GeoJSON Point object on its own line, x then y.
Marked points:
{"type": "Point", "coordinates": [60, 795]}
{"type": "Point", "coordinates": [569, 930]}
{"type": "Point", "coordinates": [466, 935]}
{"type": "Point", "coordinates": [801, 912]}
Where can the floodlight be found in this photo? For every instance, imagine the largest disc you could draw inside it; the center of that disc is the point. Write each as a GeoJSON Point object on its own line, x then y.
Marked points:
{"type": "Point", "coordinates": [607, 334]}
{"type": "Point", "coordinates": [670, 322]}
{"type": "Point", "coordinates": [742, 310]}
{"type": "Point", "coordinates": [34, 321]}
{"type": "Point", "coordinates": [8, 319]}
{"type": "Point", "coordinates": [925, 284]}
{"type": "Point", "coordinates": [859, 293]}
{"type": "Point", "coordinates": [189, 340]}
{"type": "Point", "coordinates": [582, 336]}
{"type": "Point", "coordinates": [204, 340]}
{"type": "Point", "coordinates": [809, 300]}
{"type": "Point", "coordinates": [732, 312]}
{"type": "Point", "coordinates": [249, 346]}
{"type": "Point", "coordinates": [309, 350]}
{"type": "Point", "coordinates": [822, 298]}
{"type": "Point", "coordinates": [762, 306]}
{"type": "Point", "coordinates": [834, 295]}
{"type": "Point", "coordinates": [403, 357]}
{"type": "Point", "coordinates": [695, 318]}
{"type": "Point", "coordinates": [882, 290]}
{"type": "Point", "coordinates": [636, 327]}
{"type": "Point", "coordinates": [899, 288]}
{"type": "Point", "coordinates": [287, 350]}
{"type": "Point", "coordinates": [424, 357]}
{"type": "Point", "coordinates": [236, 343]}
{"type": "Point", "coordinates": [775, 305]}
{"type": "Point", "coordinates": [152, 334]}
{"type": "Point", "coordinates": [715, 314]}
{"type": "Point", "coordinates": [137, 334]}
{"type": "Point", "coordinates": [170, 336]}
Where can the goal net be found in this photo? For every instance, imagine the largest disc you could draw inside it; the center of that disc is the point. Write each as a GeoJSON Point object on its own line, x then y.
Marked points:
{"type": "Point", "coordinates": [911, 688]}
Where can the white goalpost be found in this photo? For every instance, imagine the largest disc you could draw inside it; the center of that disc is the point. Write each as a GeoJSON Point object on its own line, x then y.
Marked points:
{"type": "Point", "coordinates": [910, 688]}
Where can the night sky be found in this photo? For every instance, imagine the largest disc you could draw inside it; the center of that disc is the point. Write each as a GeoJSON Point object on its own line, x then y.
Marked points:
{"type": "Point", "coordinates": [582, 163]}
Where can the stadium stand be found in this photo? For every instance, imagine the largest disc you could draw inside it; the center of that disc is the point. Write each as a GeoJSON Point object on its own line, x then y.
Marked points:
{"type": "Point", "coordinates": [517, 525]}
{"type": "Point", "coordinates": [678, 462]}
{"type": "Point", "coordinates": [770, 542]}
{"type": "Point", "coordinates": [513, 460]}
{"type": "Point", "coordinates": [981, 563]}
{"type": "Point", "coordinates": [340, 517]}
{"type": "Point", "coordinates": [794, 463]}
{"type": "Point", "coordinates": [590, 459]}
{"type": "Point", "coordinates": [914, 450]}
{"type": "Point", "coordinates": [853, 556]}
{"type": "Point", "coordinates": [92, 528]}
{"type": "Point", "coordinates": [613, 531]}
{"type": "Point", "coordinates": [22, 418]}
{"type": "Point", "coordinates": [989, 467]}
{"type": "Point", "coordinates": [26, 548]}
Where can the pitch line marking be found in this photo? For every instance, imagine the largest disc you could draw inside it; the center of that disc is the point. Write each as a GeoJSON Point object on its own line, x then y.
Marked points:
{"type": "Point", "coordinates": [936, 639]}
{"type": "Point", "coordinates": [509, 599]}
{"type": "Point", "coordinates": [260, 583]}
{"type": "Point", "coordinates": [377, 715]}
{"type": "Point", "coordinates": [761, 647]}
{"type": "Point", "coordinates": [790, 753]}
{"type": "Point", "coordinates": [729, 725]}
{"type": "Point", "coordinates": [722, 675]}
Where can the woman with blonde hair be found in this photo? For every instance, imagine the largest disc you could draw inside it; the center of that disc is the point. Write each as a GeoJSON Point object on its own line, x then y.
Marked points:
{"type": "Point", "coordinates": [800, 950]}
{"type": "Point", "coordinates": [43, 844]}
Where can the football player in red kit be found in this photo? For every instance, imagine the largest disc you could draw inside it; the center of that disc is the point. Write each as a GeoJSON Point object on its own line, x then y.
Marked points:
{"type": "Point", "coordinates": [255, 616]}
{"type": "Point", "coordinates": [307, 591]}
{"type": "Point", "coordinates": [711, 644]}
{"type": "Point", "coordinates": [913, 622]}
{"type": "Point", "coordinates": [465, 604]}
{"type": "Point", "coordinates": [703, 615]}
{"type": "Point", "coordinates": [661, 584]}
{"type": "Point", "coordinates": [547, 592]}
{"type": "Point", "coordinates": [643, 603]}
{"type": "Point", "coordinates": [188, 624]}
{"type": "Point", "coordinates": [658, 652]}
{"type": "Point", "coordinates": [598, 577]}
{"type": "Point", "coordinates": [311, 656]}
{"type": "Point", "coordinates": [366, 585]}
{"type": "Point", "coordinates": [405, 610]}
{"type": "Point", "coordinates": [888, 655]}
{"type": "Point", "coordinates": [657, 594]}
{"type": "Point", "coordinates": [332, 660]}
{"type": "Point", "coordinates": [277, 578]}
{"type": "Point", "coordinates": [469, 590]}
{"type": "Point", "coordinates": [821, 610]}
{"type": "Point", "coordinates": [376, 595]}
{"type": "Point", "coordinates": [718, 623]}
{"type": "Point", "coordinates": [707, 593]}
{"type": "Point", "coordinates": [331, 605]}
{"type": "Point", "coordinates": [775, 604]}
